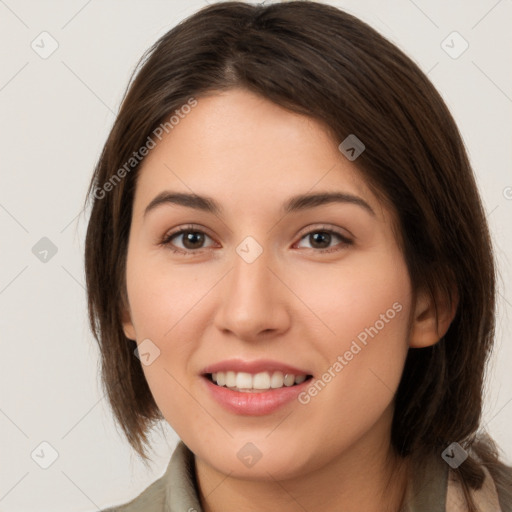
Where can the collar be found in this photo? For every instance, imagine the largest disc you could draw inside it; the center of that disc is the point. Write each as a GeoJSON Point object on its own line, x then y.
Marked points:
{"type": "Point", "coordinates": [181, 493]}
{"type": "Point", "coordinates": [434, 487]}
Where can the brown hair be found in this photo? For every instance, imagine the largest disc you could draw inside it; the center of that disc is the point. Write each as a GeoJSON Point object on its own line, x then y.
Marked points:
{"type": "Point", "coordinates": [319, 61]}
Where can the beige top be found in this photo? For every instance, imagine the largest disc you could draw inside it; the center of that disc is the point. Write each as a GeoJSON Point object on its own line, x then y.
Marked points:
{"type": "Point", "coordinates": [434, 489]}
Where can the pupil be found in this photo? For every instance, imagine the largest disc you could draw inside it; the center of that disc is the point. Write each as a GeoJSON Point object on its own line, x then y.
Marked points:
{"type": "Point", "coordinates": [194, 238]}
{"type": "Point", "coordinates": [319, 237]}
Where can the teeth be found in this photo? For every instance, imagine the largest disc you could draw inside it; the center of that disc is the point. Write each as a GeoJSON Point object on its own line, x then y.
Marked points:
{"type": "Point", "coordinates": [299, 379]}
{"type": "Point", "coordinates": [230, 379]}
{"type": "Point", "coordinates": [243, 380]}
{"type": "Point", "coordinates": [289, 380]}
{"type": "Point", "coordinates": [262, 381]}
{"type": "Point", "coordinates": [277, 380]}
{"type": "Point", "coordinates": [221, 378]}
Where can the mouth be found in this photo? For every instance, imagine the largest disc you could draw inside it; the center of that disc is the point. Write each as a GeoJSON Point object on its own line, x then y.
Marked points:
{"type": "Point", "coordinates": [245, 382]}
{"type": "Point", "coordinates": [254, 387]}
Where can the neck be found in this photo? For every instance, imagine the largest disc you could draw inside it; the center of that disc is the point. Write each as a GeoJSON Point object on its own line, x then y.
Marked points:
{"type": "Point", "coordinates": [369, 476]}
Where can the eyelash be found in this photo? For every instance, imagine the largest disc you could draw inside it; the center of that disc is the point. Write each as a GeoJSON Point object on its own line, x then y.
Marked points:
{"type": "Point", "coordinates": [166, 241]}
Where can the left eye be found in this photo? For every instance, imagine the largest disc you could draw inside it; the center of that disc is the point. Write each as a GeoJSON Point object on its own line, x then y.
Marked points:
{"type": "Point", "coordinates": [324, 238]}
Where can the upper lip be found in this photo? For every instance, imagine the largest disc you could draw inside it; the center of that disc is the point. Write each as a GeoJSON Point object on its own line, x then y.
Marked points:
{"type": "Point", "coordinates": [253, 367]}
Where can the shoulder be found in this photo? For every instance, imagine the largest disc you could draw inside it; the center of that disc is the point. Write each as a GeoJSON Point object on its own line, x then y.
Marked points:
{"type": "Point", "coordinates": [436, 486]}
{"type": "Point", "coordinates": [495, 494]}
{"type": "Point", "coordinates": [174, 490]}
{"type": "Point", "coordinates": [502, 481]}
{"type": "Point", "coordinates": [152, 499]}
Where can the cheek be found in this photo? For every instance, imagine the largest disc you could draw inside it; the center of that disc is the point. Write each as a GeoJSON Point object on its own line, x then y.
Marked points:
{"type": "Point", "coordinates": [365, 307]}
{"type": "Point", "coordinates": [163, 314]}
{"type": "Point", "coordinates": [163, 296]}
{"type": "Point", "coordinates": [166, 309]}
{"type": "Point", "coordinates": [368, 291]}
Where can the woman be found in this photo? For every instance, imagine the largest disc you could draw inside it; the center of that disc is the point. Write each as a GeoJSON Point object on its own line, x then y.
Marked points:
{"type": "Point", "coordinates": [287, 260]}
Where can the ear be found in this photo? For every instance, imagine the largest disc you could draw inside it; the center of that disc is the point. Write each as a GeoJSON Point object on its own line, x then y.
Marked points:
{"type": "Point", "coordinates": [128, 328]}
{"type": "Point", "coordinates": [428, 328]}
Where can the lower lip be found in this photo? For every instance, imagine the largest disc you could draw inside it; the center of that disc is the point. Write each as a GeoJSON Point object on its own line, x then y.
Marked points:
{"type": "Point", "coordinates": [254, 403]}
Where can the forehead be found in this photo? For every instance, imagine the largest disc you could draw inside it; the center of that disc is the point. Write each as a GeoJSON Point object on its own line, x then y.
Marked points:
{"type": "Point", "coordinates": [247, 151]}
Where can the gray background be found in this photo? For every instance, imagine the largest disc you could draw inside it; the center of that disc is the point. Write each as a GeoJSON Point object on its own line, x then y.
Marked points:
{"type": "Point", "coordinates": [55, 116]}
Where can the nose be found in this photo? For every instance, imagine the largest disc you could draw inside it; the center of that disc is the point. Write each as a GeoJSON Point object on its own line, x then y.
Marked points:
{"type": "Point", "coordinates": [253, 301]}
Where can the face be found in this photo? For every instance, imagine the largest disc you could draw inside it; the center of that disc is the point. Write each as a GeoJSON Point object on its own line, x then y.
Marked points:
{"type": "Point", "coordinates": [276, 326]}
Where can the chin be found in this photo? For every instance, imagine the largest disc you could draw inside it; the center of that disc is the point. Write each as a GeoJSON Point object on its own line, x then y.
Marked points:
{"type": "Point", "coordinates": [260, 459]}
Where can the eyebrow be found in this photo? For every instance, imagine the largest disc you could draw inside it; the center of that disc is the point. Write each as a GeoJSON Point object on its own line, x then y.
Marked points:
{"type": "Point", "coordinates": [294, 204]}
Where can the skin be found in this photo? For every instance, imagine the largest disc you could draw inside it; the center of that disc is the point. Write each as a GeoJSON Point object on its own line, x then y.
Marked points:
{"type": "Point", "coordinates": [294, 304]}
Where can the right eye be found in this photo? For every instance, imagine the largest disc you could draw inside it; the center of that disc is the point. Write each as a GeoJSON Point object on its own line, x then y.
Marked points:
{"type": "Point", "coordinates": [192, 240]}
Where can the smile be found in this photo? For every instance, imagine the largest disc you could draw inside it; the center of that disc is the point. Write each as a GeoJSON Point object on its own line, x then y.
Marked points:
{"type": "Point", "coordinates": [262, 381]}
{"type": "Point", "coordinates": [254, 387]}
